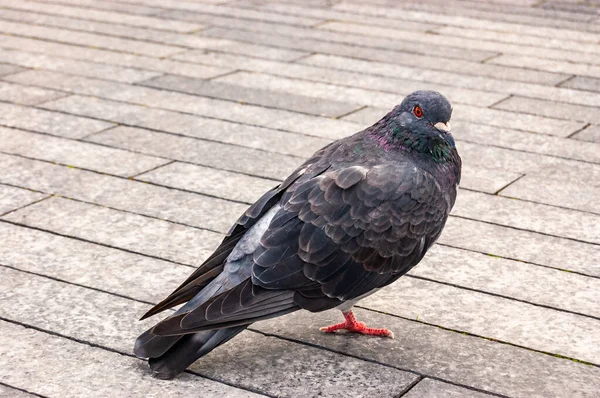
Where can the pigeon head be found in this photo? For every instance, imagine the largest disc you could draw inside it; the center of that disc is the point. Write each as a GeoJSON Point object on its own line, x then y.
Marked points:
{"type": "Point", "coordinates": [421, 123]}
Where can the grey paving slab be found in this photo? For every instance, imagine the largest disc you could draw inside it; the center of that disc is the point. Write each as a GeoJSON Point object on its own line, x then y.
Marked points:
{"type": "Point", "coordinates": [550, 109]}
{"type": "Point", "coordinates": [7, 392]}
{"type": "Point", "coordinates": [87, 264]}
{"type": "Point", "coordinates": [240, 363]}
{"type": "Point", "coordinates": [27, 95]}
{"type": "Point", "coordinates": [462, 42]}
{"type": "Point", "coordinates": [109, 57]}
{"type": "Point", "coordinates": [107, 16]}
{"type": "Point", "coordinates": [527, 246]}
{"type": "Point", "coordinates": [87, 39]}
{"type": "Point", "coordinates": [561, 193]}
{"type": "Point", "coordinates": [509, 278]}
{"type": "Point", "coordinates": [52, 372]}
{"type": "Point", "coordinates": [304, 39]}
{"type": "Point", "coordinates": [418, 73]}
{"type": "Point", "coordinates": [76, 153]}
{"type": "Point", "coordinates": [120, 229]}
{"type": "Point", "coordinates": [12, 198]}
{"type": "Point", "coordinates": [8, 69]}
{"type": "Point", "coordinates": [486, 180]}
{"type": "Point", "coordinates": [510, 321]}
{"type": "Point", "coordinates": [583, 83]}
{"type": "Point", "coordinates": [205, 153]}
{"type": "Point", "coordinates": [111, 6]}
{"type": "Point", "coordinates": [365, 117]}
{"type": "Point", "coordinates": [429, 388]}
{"type": "Point", "coordinates": [531, 216]}
{"type": "Point", "coordinates": [66, 65]}
{"type": "Point", "coordinates": [316, 373]}
{"type": "Point", "coordinates": [547, 65]}
{"type": "Point", "coordinates": [49, 122]}
{"type": "Point", "coordinates": [398, 87]}
{"type": "Point", "coordinates": [454, 357]}
{"type": "Point", "coordinates": [425, 61]}
{"type": "Point", "coordinates": [253, 95]}
{"type": "Point", "coordinates": [589, 134]}
{"type": "Point", "coordinates": [120, 193]}
{"type": "Point", "coordinates": [221, 183]}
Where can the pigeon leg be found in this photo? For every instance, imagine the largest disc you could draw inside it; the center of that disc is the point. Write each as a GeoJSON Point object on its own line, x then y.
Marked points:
{"type": "Point", "coordinates": [354, 326]}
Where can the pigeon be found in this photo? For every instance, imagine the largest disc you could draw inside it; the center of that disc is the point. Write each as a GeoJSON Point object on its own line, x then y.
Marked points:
{"type": "Point", "coordinates": [355, 217]}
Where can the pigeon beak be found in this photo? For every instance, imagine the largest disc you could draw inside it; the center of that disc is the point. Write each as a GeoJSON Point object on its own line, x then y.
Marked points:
{"type": "Point", "coordinates": [445, 127]}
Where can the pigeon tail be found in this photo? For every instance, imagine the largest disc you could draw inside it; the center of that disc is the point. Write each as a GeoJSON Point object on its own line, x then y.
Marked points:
{"type": "Point", "coordinates": [181, 351]}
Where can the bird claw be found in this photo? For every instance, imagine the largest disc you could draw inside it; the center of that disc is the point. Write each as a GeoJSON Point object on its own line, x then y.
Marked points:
{"type": "Point", "coordinates": [353, 326]}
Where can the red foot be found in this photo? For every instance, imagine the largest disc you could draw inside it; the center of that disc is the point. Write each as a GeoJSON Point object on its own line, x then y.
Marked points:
{"type": "Point", "coordinates": [353, 326]}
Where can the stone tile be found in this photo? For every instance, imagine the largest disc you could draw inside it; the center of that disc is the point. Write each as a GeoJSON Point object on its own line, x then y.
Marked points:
{"type": "Point", "coordinates": [51, 372]}
{"type": "Point", "coordinates": [483, 364]}
{"type": "Point", "coordinates": [108, 57]}
{"type": "Point", "coordinates": [76, 153]}
{"type": "Point", "coordinates": [49, 122]}
{"type": "Point", "coordinates": [589, 134]}
{"type": "Point", "coordinates": [124, 194]}
{"type": "Point", "coordinates": [252, 95]}
{"type": "Point", "coordinates": [204, 153]}
{"type": "Point", "coordinates": [509, 278]}
{"type": "Point", "coordinates": [119, 229]}
{"type": "Point", "coordinates": [582, 83]}
{"type": "Point", "coordinates": [104, 16]}
{"type": "Point", "coordinates": [486, 180]}
{"type": "Point", "coordinates": [550, 109]}
{"type": "Point", "coordinates": [83, 263]}
{"type": "Point", "coordinates": [395, 86]}
{"type": "Point", "coordinates": [530, 216]}
{"type": "Point", "coordinates": [429, 388]}
{"type": "Point", "coordinates": [26, 95]}
{"type": "Point", "coordinates": [524, 141]}
{"type": "Point", "coordinates": [12, 198]}
{"type": "Point", "coordinates": [547, 65]}
{"type": "Point", "coordinates": [317, 373]}
{"type": "Point", "coordinates": [135, 9]}
{"type": "Point", "coordinates": [7, 392]}
{"type": "Point", "coordinates": [455, 78]}
{"type": "Point", "coordinates": [88, 39]}
{"type": "Point", "coordinates": [65, 65]}
{"type": "Point", "coordinates": [510, 321]}
{"type": "Point", "coordinates": [240, 370]}
{"type": "Point", "coordinates": [467, 44]}
{"type": "Point", "coordinates": [562, 193]}
{"type": "Point", "coordinates": [416, 60]}
{"type": "Point", "coordinates": [366, 116]}
{"type": "Point", "coordinates": [8, 69]}
{"type": "Point", "coordinates": [521, 245]}
{"type": "Point", "coordinates": [221, 183]}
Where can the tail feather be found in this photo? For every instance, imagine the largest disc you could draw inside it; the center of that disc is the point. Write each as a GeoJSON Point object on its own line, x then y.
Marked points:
{"type": "Point", "coordinates": [184, 350]}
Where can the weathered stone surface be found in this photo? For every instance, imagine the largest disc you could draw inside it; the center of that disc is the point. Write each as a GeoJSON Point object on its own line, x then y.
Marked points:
{"type": "Point", "coordinates": [530, 216]}
{"type": "Point", "coordinates": [8, 392]}
{"type": "Point", "coordinates": [49, 122]}
{"type": "Point", "coordinates": [120, 193]}
{"type": "Point", "coordinates": [564, 254]}
{"type": "Point", "coordinates": [429, 388]}
{"type": "Point", "coordinates": [510, 278]}
{"type": "Point", "coordinates": [205, 153]}
{"type": "Point", "coordinates": [486, 180]}
{"type": "Point", "coordinates": [51, 371]}
{"type": "Point", "coordinates": [120, 229]}
{"type": "Point", "coordinates": [590, 134]}
{"type": "Point", "coordinates": [550, 109]}
{"type": "Point", "coordinates": [26, 95]}
{"type": "Point", "coordinates": [8, 69]}
{"type": "Point", "coordinates": [221, 183]}
{"type": "Point", "coordinates": [448, 355]}
{"type": "Point", "coordinates": [252, 95]}
{"type": "Point", "coordinates": [583, 83]}
{"type": "Point", "coordinates": [12, 198]}
{"type": "Point", "coordinates": [559, 193]}
{"type": "Point", "coordinates": [76, 153]}
{"type": "Point", "coordinates": [547, 65]}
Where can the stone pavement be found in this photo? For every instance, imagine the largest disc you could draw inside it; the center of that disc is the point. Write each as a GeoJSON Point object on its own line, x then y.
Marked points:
{"type": "Point", "coordinates": [134, 132]}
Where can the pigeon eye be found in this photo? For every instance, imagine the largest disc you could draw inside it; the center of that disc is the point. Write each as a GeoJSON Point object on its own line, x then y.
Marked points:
{"type": "Point", "coordinates": [418, 111]}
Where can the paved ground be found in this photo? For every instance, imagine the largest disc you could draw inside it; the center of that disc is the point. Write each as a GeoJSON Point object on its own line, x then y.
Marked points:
{"type": "Point", "coordinates": [133, 132]}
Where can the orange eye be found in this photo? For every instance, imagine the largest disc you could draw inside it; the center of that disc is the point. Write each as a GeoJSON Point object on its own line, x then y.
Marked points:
{"type": "Point", "coordinates": [418, 111]}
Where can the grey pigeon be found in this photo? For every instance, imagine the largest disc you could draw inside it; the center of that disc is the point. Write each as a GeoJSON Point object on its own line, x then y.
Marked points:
{"type": "Point", "coordinates": [355, 217]}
